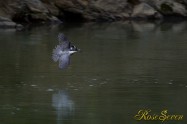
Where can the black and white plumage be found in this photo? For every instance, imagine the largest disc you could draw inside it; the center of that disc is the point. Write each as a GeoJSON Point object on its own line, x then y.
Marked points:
{"type": "Point", "coordinates": [63, 51]}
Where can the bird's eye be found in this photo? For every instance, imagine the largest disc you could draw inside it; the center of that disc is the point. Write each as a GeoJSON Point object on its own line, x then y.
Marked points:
{"type": "Point", "coordinates": [71, 48]}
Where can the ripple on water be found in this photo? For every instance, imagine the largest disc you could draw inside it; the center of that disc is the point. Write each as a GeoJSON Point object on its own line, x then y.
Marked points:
{"type": "Point", "coordinates": [17, 109]}
{"type": "Point", "coordinates": [13, 113]}
{"type": "Point", "coordinates": [33, 85]}
{"type": "Point", "coordinates": [104, 82]}
{"type": "Point", "coordinates": [50, 90]}
{"type": "Point", "coordinates": [94, 79]}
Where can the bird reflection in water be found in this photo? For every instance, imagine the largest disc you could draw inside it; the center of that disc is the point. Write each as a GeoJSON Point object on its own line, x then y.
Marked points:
{"type": "Point", "coordinates": [63, 51]}
{"type": "Point", "coordinates": [63, 104]}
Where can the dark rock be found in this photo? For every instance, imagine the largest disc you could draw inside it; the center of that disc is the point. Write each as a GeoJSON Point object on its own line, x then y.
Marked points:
{"type": "Point", "coordinates": [55, 20]}
{"type": "Point", "coordinates": [171, 7]}
{"type": "Point", "coordinates": [39, 17]}
{"type": "Point", "coordinates": [110, 9]}
{"type": "Point", "coordinates": [52, 9]}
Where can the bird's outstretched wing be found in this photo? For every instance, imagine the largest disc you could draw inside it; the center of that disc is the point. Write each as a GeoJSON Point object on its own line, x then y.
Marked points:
{"type": "Point", "coordinates": [63, 59]}
{"type": "Point", "coordinates": [56, 53]}
{"type": "Point", "coordinates": [63, 41]}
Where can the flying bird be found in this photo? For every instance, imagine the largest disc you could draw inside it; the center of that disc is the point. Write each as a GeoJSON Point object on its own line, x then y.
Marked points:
{"type": "Point", "coordinates": [63, 51]}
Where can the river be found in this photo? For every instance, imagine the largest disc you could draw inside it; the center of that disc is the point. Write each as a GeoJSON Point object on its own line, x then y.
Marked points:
{"type": "Point", "coordinates": [121, 68]}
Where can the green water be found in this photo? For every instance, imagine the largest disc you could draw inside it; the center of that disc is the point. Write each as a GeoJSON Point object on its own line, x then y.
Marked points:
{"type": "Point", "coordinates": [121, 68]}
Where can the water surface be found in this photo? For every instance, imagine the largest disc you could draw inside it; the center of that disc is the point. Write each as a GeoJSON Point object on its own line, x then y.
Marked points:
{"type": "Point", "coordinates": [122, 67]}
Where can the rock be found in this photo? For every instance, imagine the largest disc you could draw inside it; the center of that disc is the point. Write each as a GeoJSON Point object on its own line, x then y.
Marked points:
{"type": "Point", "coordinates": [52, 9]}
{"type": "Point", "coordinates": [74, 6]}
{"type": "Point", "coordinates": [19, 26]}
{"type": "Point", "coordinates": [55, 20]}
{"type": "Point", "coordinates": [39, 17]}
{"type": "Point", "coordinates": [170, 7]}
{"type": "Point", "coordinates": [184, 1]}
{"type": "Point", "coordinates": [110, 9]}
{"type": "Point", "coordinates": [36, 6]}
{"type": "Point", "coordinates": [144, 10]}
{"type": "Point", "coordinates": [89, 10]}
{"type": "Point", "coordinates": [96, 9]}
{"type": "Point", "coordinates": [4, 19]}
{"type": "Point", "coordinates": [34, 11]}
{"type": "Point", "coordinates": [7, 24]}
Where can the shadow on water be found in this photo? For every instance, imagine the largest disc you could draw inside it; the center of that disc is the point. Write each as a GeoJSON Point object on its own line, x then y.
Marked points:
{"type": "Point", "coordinates": [122, 67]}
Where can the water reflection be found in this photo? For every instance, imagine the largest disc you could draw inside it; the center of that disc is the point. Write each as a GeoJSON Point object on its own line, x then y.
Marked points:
{"type": "Point", "coordinates": [63, 51]}
{"type": "Point", "coordinates": [63, 104]}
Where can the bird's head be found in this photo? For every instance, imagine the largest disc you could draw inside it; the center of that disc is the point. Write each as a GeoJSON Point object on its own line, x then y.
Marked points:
{"type": "Point", "coordinates": [73, 49]}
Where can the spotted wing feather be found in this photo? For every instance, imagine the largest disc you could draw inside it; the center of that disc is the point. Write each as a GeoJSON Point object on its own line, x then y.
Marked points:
{"type": "Point", "coordinates": [63, 41]}
{"type": "Point", "coordinates": [56, 53]}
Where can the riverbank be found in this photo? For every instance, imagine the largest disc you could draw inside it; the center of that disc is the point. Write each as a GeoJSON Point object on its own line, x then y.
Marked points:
{"type": "Point", "coordinates": [16, 12]}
